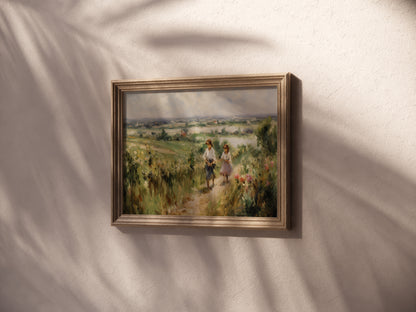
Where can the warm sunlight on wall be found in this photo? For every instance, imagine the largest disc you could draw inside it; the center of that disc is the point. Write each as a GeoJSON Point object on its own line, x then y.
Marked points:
{"type": "Point", "coordinates": [354, 165]}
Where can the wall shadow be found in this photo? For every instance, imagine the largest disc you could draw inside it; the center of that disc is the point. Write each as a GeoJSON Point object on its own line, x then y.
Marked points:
{"type": "Point", "coordinates": [353, 213]}
{"type": "Point", "coordinates": [202, 40]}
{"type": "Point", "coordinates": [55, 173]}
{"type": "Point", "coordinates": [365, 240]}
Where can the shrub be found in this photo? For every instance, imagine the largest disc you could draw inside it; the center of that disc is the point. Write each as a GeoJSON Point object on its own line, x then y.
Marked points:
{"type": "Point", "coordinates": [267, 137]}
{"type": "Point", "coordinates": [163, 136]}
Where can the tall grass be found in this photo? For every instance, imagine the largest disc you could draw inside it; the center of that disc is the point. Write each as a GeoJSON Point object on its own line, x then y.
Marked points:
{"type": "Point", "coordinates": [155, 185]}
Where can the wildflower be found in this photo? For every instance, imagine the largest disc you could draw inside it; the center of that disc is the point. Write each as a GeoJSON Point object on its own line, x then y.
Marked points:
{"type": "Point", "coordinates": [271, 163]}
{"type": "Point", "coordinates": [266, 166]}
{"type": "Point", "coordinates": [249, 178]}
{"type": "Point", "coordinates": [237, 177]}
{"type": "Point", "coordinates": [242, 180]}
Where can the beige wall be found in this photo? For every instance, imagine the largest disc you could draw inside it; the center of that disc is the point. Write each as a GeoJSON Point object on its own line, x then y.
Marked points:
{"type": "Point", "coordinates": [353, 247]}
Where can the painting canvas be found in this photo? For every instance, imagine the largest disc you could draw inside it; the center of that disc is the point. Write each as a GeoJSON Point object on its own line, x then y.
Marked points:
{"type": "Point", "coordinates": [201, 152]}
{"type": "Point", "coordinates": [210, 153]}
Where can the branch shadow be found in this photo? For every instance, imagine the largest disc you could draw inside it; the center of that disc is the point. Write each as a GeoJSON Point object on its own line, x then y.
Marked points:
{"type": "Point", "coordinates": [135, 10]}
{"type": "Point", "coordinates": [55, 168]}
{"type": "Point", "coordinates": [53, 161]}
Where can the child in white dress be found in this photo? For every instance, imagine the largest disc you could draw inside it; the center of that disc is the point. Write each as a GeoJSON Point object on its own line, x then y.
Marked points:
{"type": "Point", "coordinates": [226, 167]}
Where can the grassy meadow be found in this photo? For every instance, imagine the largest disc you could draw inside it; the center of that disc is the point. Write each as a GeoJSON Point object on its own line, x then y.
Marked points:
{"type": "Point", "coordinates": [164, 170]}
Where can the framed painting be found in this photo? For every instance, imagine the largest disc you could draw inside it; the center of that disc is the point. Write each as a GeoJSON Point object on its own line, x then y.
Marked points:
{"type": "Point", "coordinates": [201, 152]}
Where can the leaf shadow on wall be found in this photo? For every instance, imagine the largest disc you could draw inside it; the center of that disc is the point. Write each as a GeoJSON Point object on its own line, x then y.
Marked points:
{"type": "Point", "coordinates": [55, 86]}
{"type": "Point", "coordinates": [55, 213]}
{"type": "Point", "coordinates": [55, 158]}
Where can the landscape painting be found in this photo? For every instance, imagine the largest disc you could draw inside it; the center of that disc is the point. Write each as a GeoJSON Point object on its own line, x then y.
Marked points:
{"type": "Point", "coordinates": [201, 152]}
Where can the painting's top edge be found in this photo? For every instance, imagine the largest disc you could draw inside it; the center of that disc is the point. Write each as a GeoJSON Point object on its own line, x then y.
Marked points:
{"type": "Point", "coordinates": [177, 79]}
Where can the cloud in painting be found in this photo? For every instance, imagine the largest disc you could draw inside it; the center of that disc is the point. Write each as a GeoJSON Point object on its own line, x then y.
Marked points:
{"type": "Point", "coordinates": [188, 104]}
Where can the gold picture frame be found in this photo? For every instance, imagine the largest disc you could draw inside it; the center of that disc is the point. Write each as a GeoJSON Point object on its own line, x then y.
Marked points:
{"type": "Point", "coordinates": [122, 90]}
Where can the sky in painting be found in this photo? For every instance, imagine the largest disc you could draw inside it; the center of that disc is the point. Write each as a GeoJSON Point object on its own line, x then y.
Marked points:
{"type": "Point", "coordinates": [219, 103]}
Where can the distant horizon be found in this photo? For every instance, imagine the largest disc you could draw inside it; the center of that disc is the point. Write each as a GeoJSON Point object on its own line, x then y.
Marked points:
{"type": "Point", "coordinates": [227, 103]}
{"type": "Point", "coordinates": [201, 117]}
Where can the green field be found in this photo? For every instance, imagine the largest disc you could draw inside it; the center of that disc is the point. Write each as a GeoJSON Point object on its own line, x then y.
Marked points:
{"type": "Point", "coordinates": [164, 169]}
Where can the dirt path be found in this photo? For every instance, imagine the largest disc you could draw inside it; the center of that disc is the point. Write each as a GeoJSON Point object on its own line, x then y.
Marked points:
{"type": "Point", "coordinates": [200, 201]}
{"type": "Point", "coordinates": [205, 199]}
